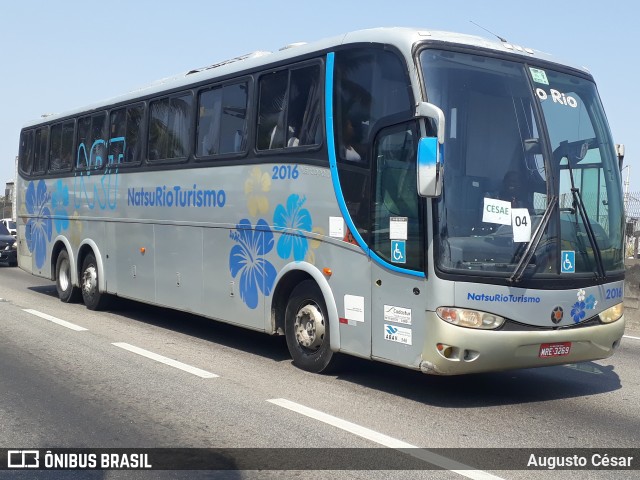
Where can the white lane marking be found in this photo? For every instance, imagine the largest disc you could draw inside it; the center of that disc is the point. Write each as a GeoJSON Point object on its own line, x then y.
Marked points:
{"type": "Point", "coordinates": [166, 361]}
{"type": "Point", "coordinates": [64, 323]}
{"type": "Point", "coordinates": [390, 442]}
{"type": "Point", "coordinates": [629, 336]}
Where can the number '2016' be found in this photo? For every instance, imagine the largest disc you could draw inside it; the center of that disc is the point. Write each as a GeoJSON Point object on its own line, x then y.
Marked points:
{"type": "Point", "coordinates": [614, 293]}
{"type": "Point", "coordinates": [284, 172]}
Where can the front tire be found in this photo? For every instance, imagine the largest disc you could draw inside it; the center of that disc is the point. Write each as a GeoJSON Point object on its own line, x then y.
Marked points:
{"type": "Point", "coordinates": [67, 293]}
{"type": "Point", "coordinates": [307, 329]}
{"type": "Point", "coordinates": [92, 297]}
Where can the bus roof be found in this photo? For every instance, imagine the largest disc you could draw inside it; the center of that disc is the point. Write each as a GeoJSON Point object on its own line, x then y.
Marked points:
{"type": "Point", "coordinates": [402, 37]}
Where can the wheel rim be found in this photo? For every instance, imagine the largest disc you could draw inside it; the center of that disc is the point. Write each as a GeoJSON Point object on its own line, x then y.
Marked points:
{"type": "Point", "coordinates": [63, 275]}
{"type": "Point", "coordinates": [90, 281]}
{"type": "Point", "coordinates": [309, 327]}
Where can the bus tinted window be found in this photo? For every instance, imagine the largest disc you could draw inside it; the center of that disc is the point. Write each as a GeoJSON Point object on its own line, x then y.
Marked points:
{"type": "Point", "coordinates": [210, 103]}
{"type": "Point", "coordinates": [40, 152]}
{"type": "Point", "coordinates": [61, 151]}
{"type": "Point", "coordinates": [234, 118]}
{"type": "Point", "coordinates": [289, 110]}
{"type": "Point", "coordinates": [369, 84]}
{"type": "Point", "coordinates": [125, 136]}
{"type": "Point", "coordinates": [273, 88]}
{"type": "Point", "coordinates": [91, 152]}
{"type": "Point", "coordinates": [169, 128]}
{"type": "Point", "coordinates": [303, 117]}
{"type": "Point", "coordinates": [395, 196]}
{"type": "Point", "coordinates": [26, 151]}
{"type": "Point", "coordinates": [222, 120]}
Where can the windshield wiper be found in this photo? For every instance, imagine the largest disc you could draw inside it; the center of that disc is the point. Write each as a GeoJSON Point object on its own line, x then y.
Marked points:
{"type": "Point", "coordinates": [578, 207]}
{"type": "Point", "coordinates": [516, 276]}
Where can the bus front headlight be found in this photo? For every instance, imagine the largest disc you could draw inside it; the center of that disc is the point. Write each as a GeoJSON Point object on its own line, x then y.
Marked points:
{"type": "Point", "coordinates": [612, 314]}
{"type": "Point", "coordinates": [465, 317]}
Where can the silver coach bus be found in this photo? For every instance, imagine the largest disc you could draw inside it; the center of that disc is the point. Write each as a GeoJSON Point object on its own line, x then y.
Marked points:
{"type": "Point", "coordinates": [432, 200]}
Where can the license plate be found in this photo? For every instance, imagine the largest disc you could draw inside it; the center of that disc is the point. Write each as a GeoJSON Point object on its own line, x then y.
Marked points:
{"type": "Point", "coordinates": [554, 349]}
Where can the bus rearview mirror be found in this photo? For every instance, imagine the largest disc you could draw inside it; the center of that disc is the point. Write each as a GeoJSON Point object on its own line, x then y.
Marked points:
{"type": "Point", "coordinates": [430, 152]}
{"type": "Point", "coordinates": [429, 182]}
{"type": "Point", "coordinates": [428, 110]}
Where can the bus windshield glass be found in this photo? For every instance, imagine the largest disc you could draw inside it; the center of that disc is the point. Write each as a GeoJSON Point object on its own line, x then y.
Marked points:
{"type": "Point", "coordinates": [504, 172]}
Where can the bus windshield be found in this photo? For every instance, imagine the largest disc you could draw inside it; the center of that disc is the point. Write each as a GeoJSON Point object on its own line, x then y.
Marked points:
{"type": "Point", "coordinates": [504, 172]}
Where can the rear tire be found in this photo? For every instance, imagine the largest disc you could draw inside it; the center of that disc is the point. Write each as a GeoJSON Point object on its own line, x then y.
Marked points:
{"type": "Point", "coordinates": [92, 297]}
{"type": "Point", "coordinates": [307, 329]}
{"type": "Point", "coordinates": [67, 292]}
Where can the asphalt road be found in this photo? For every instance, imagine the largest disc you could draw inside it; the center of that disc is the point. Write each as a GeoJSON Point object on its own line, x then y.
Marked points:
{"type": "Point", "coordinates": [90, 383]}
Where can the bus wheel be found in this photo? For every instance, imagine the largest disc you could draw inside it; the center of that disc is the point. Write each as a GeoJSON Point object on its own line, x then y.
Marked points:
{"type": "Point", "coordinates": [307, 328]}
{"type": "Point", "coordinates": [66, 291]}
{"type": "Point", "coordinates": [91, 295]}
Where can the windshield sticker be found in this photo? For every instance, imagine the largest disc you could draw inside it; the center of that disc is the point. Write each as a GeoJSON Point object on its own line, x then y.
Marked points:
{"type": "Point", "coordinates": [496, 211]}
{"type": "Point", "coordinates": [398, 251]}
{"type": "Point", "coordinates": [398, 228]}
{"type": "Point", "coordinates": [557, 97]}
{"type": "Point", "coordinates": [397, 314]}
{"type": "Point", "coordinates": [539, 76]}
{"type": "Point", "coordinates": [521, 223]}
{"type": "Point", "coordinates": [568, 261]}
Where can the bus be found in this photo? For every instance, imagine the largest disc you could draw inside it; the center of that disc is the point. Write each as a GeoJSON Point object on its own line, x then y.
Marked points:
{"type": "Point", "coordinates": [438, 201]}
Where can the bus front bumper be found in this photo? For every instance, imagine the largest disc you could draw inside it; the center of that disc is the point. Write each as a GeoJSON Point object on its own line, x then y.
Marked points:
{"type": "Point", "coordinates": [454, 350]}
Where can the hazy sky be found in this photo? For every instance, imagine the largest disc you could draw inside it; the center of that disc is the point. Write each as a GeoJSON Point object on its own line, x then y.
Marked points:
{"type": "Point", "coordinates": [56, 56]}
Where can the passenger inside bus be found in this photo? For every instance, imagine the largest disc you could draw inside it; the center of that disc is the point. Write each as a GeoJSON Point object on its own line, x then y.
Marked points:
{"type": "Point", "coordinates": [347, 151]}
{"type": "Point", "coordinates": [515, 190]}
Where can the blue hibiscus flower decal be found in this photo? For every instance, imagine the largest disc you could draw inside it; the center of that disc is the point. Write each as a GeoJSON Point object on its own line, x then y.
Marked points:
{"type": "Point", "coordinates": [38, 229]}
{"type": "Point", "coordinates": [590, 302]}
{"type": "Point", "coordinates": [247, 260]}
{"type": "Point", "coordinates": [294, 221]}
{"type": "Point", "coordinates": [577, 311]}
{"type": "Point", "coordinates": [59, 204]}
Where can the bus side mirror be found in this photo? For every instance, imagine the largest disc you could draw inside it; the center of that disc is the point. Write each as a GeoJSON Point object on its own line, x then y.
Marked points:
{"type": "Point", "coordinates": [430, 152]}
{"type": "Point", "coordinates": [429, 179]}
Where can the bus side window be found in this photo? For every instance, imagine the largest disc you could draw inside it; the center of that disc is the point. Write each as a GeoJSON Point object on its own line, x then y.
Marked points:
{"type": "Point", "coordinates": [273, 89]}
{"type": "Point", "coordinates": [83, 143]}
{"type": "Point", "coordinates": [289, 108]}
{"type": "Point", "coordinates": [26, 151]}
{"type": "Point", "coordinates": [125, 135]}
{"type": "Point", "coordinates": [98, 152]}
{"type": "Point", "coordinates": [395, 195]}
{"type": "Point", "coordinates": [133, 138]}
{"type": "Point", "coordinates": [40, 151]}
{"type": "Point", "coordinates": [370, 85]}
{"type": "Point", "coordinates": [91, 151]}
{"type": "Point", "coordinates": [61, 150]}
{"type": "Point", "coordinates": [303, 111]}
{"type": "Point", "coordinates": [233, 124]}
{"type": "Point", "coordinates": [169, 127]}
{"type": "Point", "coordinates": [209, 110]}
{"type": "Point", "coordinates": [222, 120]}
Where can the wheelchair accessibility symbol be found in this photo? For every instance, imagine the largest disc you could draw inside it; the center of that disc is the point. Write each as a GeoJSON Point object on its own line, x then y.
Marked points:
{"type": "Point", "coordinates": [398, 251]}
{"type": "Point", "coordinates": [568, 261]}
